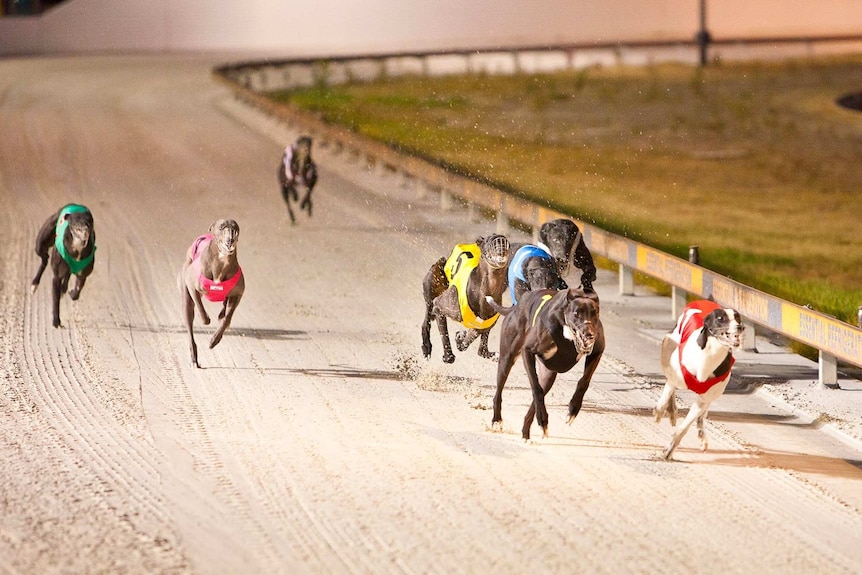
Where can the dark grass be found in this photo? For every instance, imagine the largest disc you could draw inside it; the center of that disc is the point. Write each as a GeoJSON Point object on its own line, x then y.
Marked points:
{"type": "Point", "coordinates": [754, 163]}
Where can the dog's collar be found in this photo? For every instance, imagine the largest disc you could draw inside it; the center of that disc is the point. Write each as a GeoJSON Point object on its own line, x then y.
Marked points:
{"type": "Point", "coordinates": [75, 265]}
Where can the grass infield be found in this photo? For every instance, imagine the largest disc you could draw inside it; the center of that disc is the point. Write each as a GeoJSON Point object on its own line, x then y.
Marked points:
{"type": "Point", "coordinates": [754, 163]}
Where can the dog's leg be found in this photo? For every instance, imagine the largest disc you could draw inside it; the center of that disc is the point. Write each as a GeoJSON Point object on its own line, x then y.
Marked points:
{"type": "Point", "coordinates": [701, 432]}
{"type": "Point", "coordinates": [189, 316]}
{"type": "Point", "coordinates": [443, 328]}
{"type": "Point", "coordinates": [540, 387]}
{"type": "Point", "coordinates": [44, 241]}
{"type": "Point", "coordinates": [509, 351]}
{"type": "Point", "coordinates": [666, 405]}
{"type": "Point", "coordinates": [464, 339]}
{"type": "Point", "coordinates": [80, 280]}
{"type": "Point", "coordinates": [446, 305]}
{"type": "Point", "coordinates": [694, 413]}
{"type": "Point", "coordinates": [546, 379]}
{"type": "Point", "coordinates": [287, 191]}
{"type": "Point", "coordinates": [230, 305]}
{"type": "Point", "coordinates": [306, 202]}
{"type": "Point", "coordinates": [483, 346]}
{"type": "Point", "coordinates": [199, 304]}
{"type": "Point", "coordinates": [426, 329]}
{"type": "Point", "coordinates": [35, 283]}
{"type": "Point", "coordinates": [590, 366]}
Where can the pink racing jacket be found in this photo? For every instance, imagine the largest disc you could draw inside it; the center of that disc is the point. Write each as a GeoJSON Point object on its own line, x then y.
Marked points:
{"type": "Point", "coordinates": [689, 322]}
{"type": "Point", "coordinates": [213, 290]}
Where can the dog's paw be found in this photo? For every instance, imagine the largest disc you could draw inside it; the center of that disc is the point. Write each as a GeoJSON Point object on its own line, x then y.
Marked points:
{"type": "Point", "coordinates": [75, 294]}
{"type": "Point", "coordinates": [214, 341]}
{"type": "Point", "coordinates": [33, 287]}
{"type": "Point", "coordinates": [449, 357]}
{"type": "Point", "coordinates": [205, 318]}
{"type": "Point", "coordinates": [497, 426]}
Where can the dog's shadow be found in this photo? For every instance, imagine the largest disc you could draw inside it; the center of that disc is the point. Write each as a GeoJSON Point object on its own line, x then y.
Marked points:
{"type": "Point", "coordinates": [253, 332]}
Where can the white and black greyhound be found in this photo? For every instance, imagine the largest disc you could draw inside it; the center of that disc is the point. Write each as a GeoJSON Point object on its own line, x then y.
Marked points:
{"type": "Point", "coordinates": [697, 355]}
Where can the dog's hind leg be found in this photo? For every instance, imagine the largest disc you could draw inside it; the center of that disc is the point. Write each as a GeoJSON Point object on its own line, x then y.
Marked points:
{"type": "Point", "coordinates": [509, 352]}
{"type": "Point", "coordinates": [44, 242]}
{"type": "Point", "coordinates": [189, 317]}
{"type": "Point", "coordinates": [443, 328]}
{"type": "Point", "coordinates": [541, 382]}
{"type": "Point", "coordinates": [483, 346]}
{"type": "Point", "coordinates": [446, 305]}
{"type": "Point", "coordinates": [701, 432]}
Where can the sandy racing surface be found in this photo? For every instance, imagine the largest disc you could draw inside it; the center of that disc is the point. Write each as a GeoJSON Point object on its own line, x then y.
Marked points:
{"type": "Point", "coordinates": [316, 439]}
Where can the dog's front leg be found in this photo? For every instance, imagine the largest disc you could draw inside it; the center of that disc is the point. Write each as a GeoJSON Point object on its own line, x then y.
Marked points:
{"type": "Point", "coordinates": [666, 405]}
{"type": "Point", "coordinates": [306, 202]}
{"type": "Point", "coordinates": [288, 191]}
{"type": "Point", "coordinates": [509, 351]}
{"type": "Point", "coordinates": [58, 287]}
{"type": "Point", "coordinates": [230, 305]}
{"type": "Point", "coordinates": [464, 339]}
{"type": "Point", "coordinates": [199, 304]}
{"type": "Point", "coordinates": [80, 280]}
{"type": "Point", "coordinates": [590, 366]}
{"type": "Point", "coordinates": [694, 412]}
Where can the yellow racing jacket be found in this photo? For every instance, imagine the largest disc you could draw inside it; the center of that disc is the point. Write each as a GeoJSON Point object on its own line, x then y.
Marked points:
{"type": "Point", "coordinates": [463, 260]}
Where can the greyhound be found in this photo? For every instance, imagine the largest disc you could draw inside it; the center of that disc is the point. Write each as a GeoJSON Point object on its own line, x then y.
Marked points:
{"type": "Point", "coordinates": [71, 233]}
{"type": "Point", "coordinates": [297, 168]}
{"type": "Point", "coordinates": [561, 242]}
{"type": "Point", "coordinates": [211, 269]}
{"type": "Point", "coordinates": [456, 288]}
{"type": "Point", "coordinates": [697, 355]}
{"type": "Point", "coordinates": [557, 328]}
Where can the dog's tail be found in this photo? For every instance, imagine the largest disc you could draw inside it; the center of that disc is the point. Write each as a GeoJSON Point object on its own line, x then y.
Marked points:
{"type": "Point", "coordinates": [497, 307]}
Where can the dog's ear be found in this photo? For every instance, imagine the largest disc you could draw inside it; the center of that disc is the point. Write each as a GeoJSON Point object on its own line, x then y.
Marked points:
{"type": "Point", "coordinates": [708, 327]}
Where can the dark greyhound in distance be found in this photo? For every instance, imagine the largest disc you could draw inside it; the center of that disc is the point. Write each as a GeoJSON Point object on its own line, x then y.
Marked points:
{"type": "Point", "coordinates": [551, 331]}
{"type": "Point", "coordinates": [456, 287]}
{"type": "Point", "coordinates": [211, 269]}
{"type": "Point", "coordinates": [297, 169]}
{"type": "Point", "coordinates": [71, 234]}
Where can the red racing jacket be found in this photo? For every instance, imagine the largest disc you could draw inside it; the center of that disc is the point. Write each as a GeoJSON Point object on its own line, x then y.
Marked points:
{"type": "Point", "coordinates": [689, 322]}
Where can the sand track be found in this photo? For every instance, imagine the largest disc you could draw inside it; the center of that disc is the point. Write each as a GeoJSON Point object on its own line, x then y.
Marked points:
{"type": "Point", "coordinates": [316, 439]}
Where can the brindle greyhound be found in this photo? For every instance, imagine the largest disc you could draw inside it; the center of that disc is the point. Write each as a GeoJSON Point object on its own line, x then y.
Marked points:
{"type": "Point", "coordinates": [71, 235]}
{"type": "Point", "coordinates": [557, 328]}
{"type": "Point", "coordinates": [297, 168]}
{"type": "Point", "coordinates": [211, 269]}
{"type": "Point", "coordinates": [457, 287]}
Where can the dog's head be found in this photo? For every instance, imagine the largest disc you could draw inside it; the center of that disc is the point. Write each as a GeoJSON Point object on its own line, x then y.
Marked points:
{"type": "Point", "coordinates": [581, 319]}
{"type": "Point", "coordinates": [80, 228]}
{"type": "Point", "coordinates": [226, 235]}
{"type": "Point", "coordinates": [541, 273]}
{"type": "Point", "coordinates": [495, 250]}
{"type": "Point", "coordinates": [560, 237]}
{"type": "Point", "coordinates": [725, 325]}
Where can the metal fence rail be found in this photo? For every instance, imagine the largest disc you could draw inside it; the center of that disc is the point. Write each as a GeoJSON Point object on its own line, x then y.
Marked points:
{"type": "Point", "coordinates": [835, 340]}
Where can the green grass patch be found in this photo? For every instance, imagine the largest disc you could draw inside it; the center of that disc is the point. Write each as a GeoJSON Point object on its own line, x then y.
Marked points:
{"type": "Point", "coordinates": [754, 163]}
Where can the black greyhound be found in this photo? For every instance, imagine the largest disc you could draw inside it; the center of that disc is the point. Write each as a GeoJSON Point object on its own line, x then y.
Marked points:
{"type": "Point", "coordinates": [297, 169]}
{"type": "Point", "coordinates": [71, 234]}
{"type": "Point", "coordinates": [551, 330]}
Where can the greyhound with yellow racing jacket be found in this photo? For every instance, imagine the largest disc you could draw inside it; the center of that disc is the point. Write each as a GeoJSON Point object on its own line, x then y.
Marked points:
{"type": "Point", "coordinates": [456, 288]}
